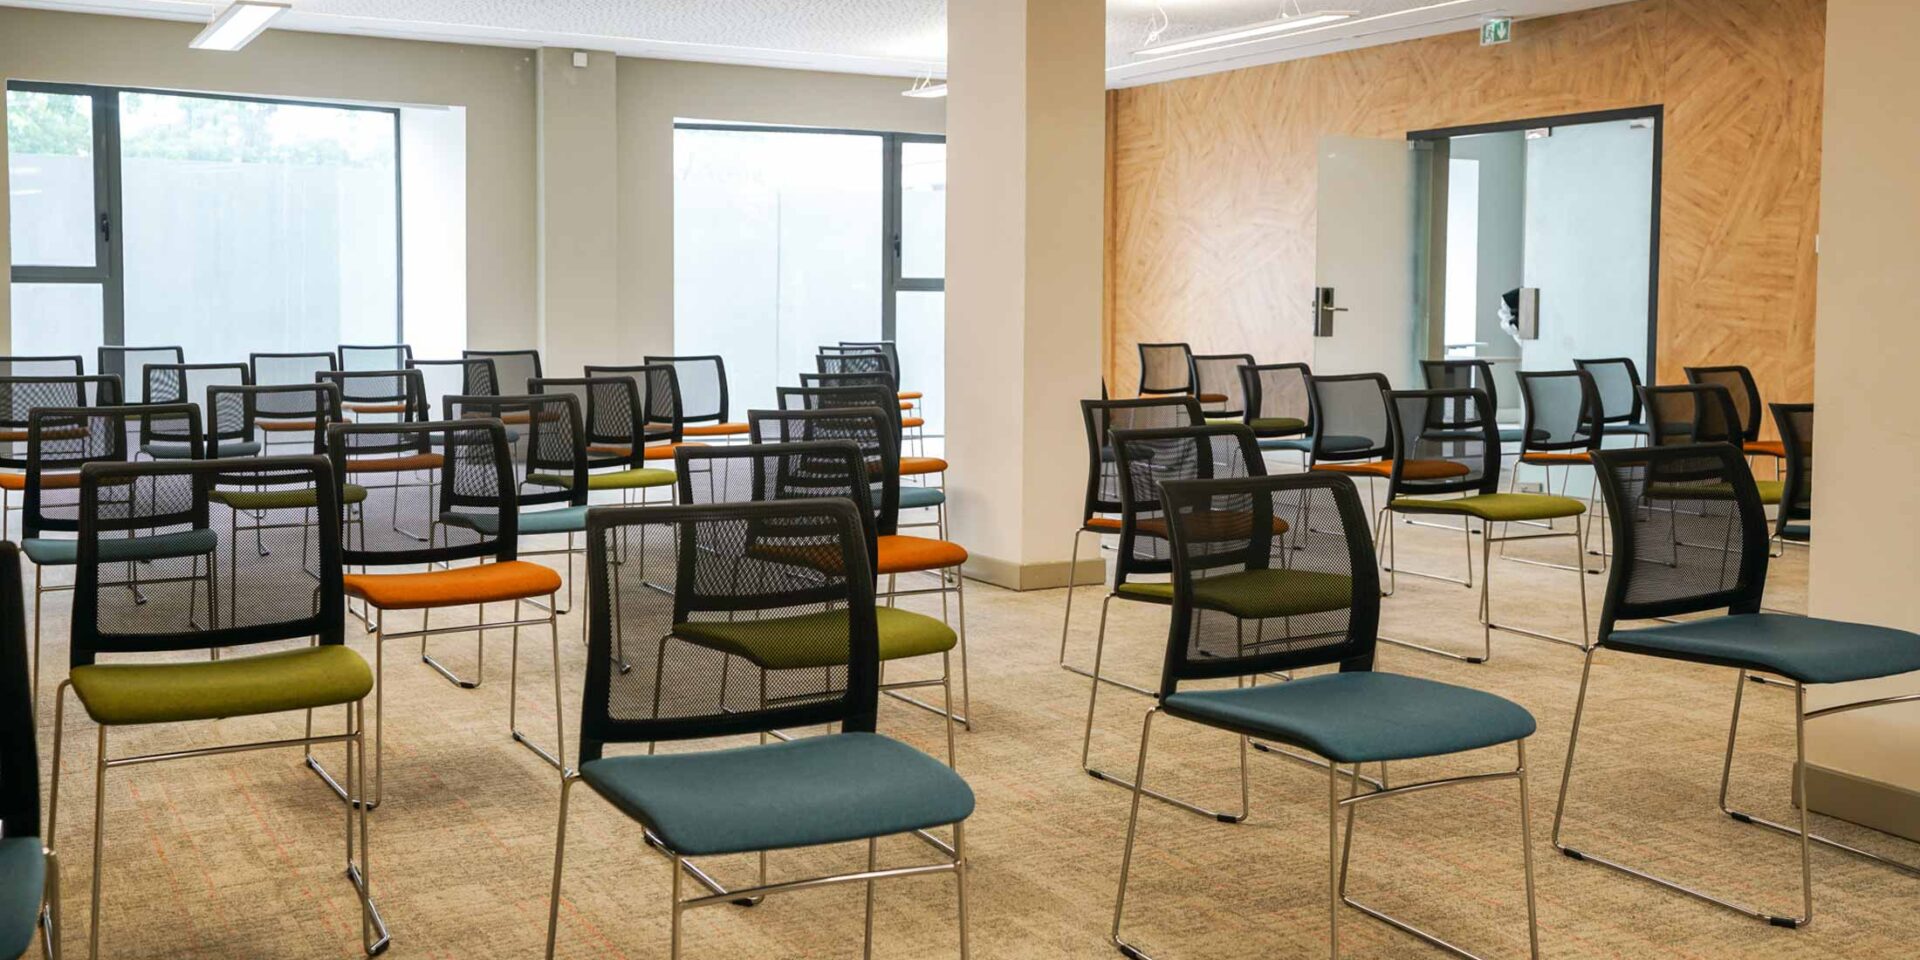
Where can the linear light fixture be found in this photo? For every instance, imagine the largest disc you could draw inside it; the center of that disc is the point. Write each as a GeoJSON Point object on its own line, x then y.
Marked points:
{"type": "Point", "coordinates": [926, 89]}
{"type": "Point", "coordinates": [1271, 28]}
{"type": "Point", "coordinates": [237, 25]}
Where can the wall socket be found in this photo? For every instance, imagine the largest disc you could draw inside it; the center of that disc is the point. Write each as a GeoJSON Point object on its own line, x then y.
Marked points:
{"type": "Point", "coordinates": [1531, 487]}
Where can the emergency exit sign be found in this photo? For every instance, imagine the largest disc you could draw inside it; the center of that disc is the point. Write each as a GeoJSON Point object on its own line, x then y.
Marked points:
{"type": "Point", "coordinates": [1496, 31]}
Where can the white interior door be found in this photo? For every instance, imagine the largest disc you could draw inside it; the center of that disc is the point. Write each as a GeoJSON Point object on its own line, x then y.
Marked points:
{"type": "Point", "coordinates": [1367, 254]}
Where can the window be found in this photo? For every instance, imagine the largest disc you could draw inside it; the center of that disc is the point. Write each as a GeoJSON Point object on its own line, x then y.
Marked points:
{"type": "Point", "coordinates": [1462, 320]}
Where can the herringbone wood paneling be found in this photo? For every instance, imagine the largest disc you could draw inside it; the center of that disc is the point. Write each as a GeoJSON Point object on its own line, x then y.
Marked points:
{"type": "Point", "coordinates": [1214, 177]}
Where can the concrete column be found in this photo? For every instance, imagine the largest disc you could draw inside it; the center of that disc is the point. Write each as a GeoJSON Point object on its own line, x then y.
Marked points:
{"type": "Point", "coordinates": [1026, 141]}
{"type": "Point", "coordinates": [579, 229]}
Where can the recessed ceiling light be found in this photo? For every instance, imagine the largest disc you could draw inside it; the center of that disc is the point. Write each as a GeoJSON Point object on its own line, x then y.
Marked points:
{"type": "Point", "coordinates": [1272, 28]}
{"type": "Point", "coordinates": [237, 25]}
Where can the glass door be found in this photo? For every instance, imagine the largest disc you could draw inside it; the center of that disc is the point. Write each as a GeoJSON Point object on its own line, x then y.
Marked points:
{"type": "Point", "coordinates": [916, 305]}
{"type": "Point", "coordinates": [60, 180]}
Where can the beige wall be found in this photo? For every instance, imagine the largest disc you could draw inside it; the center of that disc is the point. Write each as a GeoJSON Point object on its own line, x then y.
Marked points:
{"type": "Point", "coordinates": [579, 242]}
{"type": "Point", "coordinates": [1866, 559]}
{"type": "Point", "coordinates": [494, 84]}
{"type": "Point", "coordinates": [655, 93]}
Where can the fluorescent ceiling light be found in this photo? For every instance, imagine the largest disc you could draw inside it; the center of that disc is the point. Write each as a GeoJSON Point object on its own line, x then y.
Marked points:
{"type": "Point", "coordinates": [237, 25]}
{"type": "Point", "coordinates": [1258, 31]}
{"type": "Point", "coordinates": [926, 91]}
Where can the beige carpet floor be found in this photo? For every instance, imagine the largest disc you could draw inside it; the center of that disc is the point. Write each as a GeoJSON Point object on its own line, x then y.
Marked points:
{"type": "Point", "coordinates": [240, 857]}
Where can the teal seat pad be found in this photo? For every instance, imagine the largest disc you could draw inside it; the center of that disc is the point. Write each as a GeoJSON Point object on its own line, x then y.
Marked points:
{"type": "Point", "coordinates": [23, 880]}
{"type": "Point", "coordinates": [1361, 717]}
{"type": "Point", "coordinates": [532, 522]}
{"type": "Point", "coordinates": [162, 450]}
{"type": "Point", "coordinates": [913, 498]}
{"type": "Point", "coordinates": [65, 553]}
{"type": "Point", "coordinates": [816, 790]}
{"type": "Point", "coordinates": [1806, 649]}
{"type": "Point", "coordinates": [1300, 444]}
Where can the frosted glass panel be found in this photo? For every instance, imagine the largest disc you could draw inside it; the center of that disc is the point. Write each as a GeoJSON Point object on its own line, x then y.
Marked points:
{"type": "Point", "coordinates": [50, 178]}
{"type": "Point", "coordinates": [57, 319]}
{"type": "Point", "coordinates": [920, 318]}
{"type": "Point", "coordinates": [923, 210]}
{"type": "Point", "coordinates": [257, 227]}
{"type": "Point", "coordinates": [776, 251]}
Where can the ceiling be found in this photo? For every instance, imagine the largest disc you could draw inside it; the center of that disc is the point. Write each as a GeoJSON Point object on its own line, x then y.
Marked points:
{"type": "Point", "coordinates": [892, 37]}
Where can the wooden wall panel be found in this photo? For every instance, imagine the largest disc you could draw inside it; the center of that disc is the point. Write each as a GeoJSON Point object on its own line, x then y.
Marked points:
{"type": "Point", "coordinates": [1212, 225]}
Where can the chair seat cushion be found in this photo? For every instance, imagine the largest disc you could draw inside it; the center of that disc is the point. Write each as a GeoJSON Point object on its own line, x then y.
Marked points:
{"type": "Point", "coordinates": [1210, 526]}
{"type": "Point", "coordinates": [1628, 429]}
{"type": "Point", "coordinates": [163, 450]}
{"type": "Point", "coordinates": [1770, 491]}
{"type": "Point", "coordinates": [23, 881]}
{"type": "Point", "coordinates": [532, 522]}
{"type": "Point", "coordinates": [913, 498]}
{"type": "Point", "coordinates": [117, 694]}
{"type": "Point", "coordinates": [1766, 448]}
{"type": "Point", "coordinates": [658, 451]}
{"type": "Point", "coordinates": [1103, 524]}
{"type": "Point", "coordinates": [287, 426]}
{"type": "Point", "coordinates": [413, 461]}
{"type": "Point", "coordinates": [1359, 717]}
{"type": "Point", "coordinates": [918, 466]}
{"type": "Point", "coordinates": [1555, 458]}
{"type": "Point", "coordinates": [1300, 444]}
{"type": "Point", "coordinates": [900, 554]}
{"type": "Point", "coordinates": [354, 407]}
{"type": "Point", "coordinates": [1257, 594]}
{"type": "Point", "coordinates": [187, 543]}
{"type": "Point", "coordinates": [781, 643]}
{"type": "Point", "coordinates": [285, 499]}
{"type": "Point", "coordinates": [1414, 470]}
{"type": "Point", "coordinates": [816, 790]}
{"type": "Point", "coordinates": [1807, 649]}
{"type": "Point", "coordinates": [1210, 397]}
{"type": "Point", "coordinates": [1511, 434]}
{"type": "Point", "coordinates": [48, 481]}
{"type": "Point", "coordinates": [634, 478]}
{"type": "Point", "coordinates": [909, 395]}
{"type": "Point", "coordinates": [716, 429]}
{"type": "Point", "coordinates": [1276, 424]}
{"type": "Point", "coordinates": [912, 422]}
{"type": "Point", "coordinates": [486, 583]}
{"type": "Point", "coordinates": [1498, 507]}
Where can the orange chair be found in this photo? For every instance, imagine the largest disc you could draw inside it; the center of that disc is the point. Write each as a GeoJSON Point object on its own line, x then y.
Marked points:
{"type": "Point", "coordinates": [703, 396]}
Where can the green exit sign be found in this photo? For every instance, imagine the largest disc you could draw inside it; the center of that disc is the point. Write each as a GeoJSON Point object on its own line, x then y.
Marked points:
{"type": "Point", "coordinates": [1496, 31]}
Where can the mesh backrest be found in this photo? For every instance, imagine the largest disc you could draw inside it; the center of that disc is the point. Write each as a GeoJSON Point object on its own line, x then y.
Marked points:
{"type": "Point", "coordinates": [232, 411]}
{"type": "Point", "coordinates": [405, 387]}
{"type": "Point", "coordinates": [277, 577]}
{"type": "Point", "coordinates": [1350, 417]}
{"type": "Point", "coordinates": [440, 379]}
{"type": "Point", "coordinates": [1617, 380]}
{"type": "Point", "coordinates": [881, 380]}
{"type": "Point", "coordinates": [190, 383]}
{"type": "Point", "coordinates": [1562, 411]}
{"type": "Point", "coordinates": [511, 370]}
{"type": "Point", "coordinates": [1278, 392]}
{"type": "Point", "coordinates": [866, 428]}
{"type": "Point", "coordinates": [19, 728]}
{"type": "Point", "coordinates": [130, 365]}
{"type": "Point", "coordinates": [1102, 417]}
{"type": "Point", "coordinates": [610, 408]}
{"type": "Point", "coordinates": [1455, 426]}
{"type": "Point", "coordinates": [888, 347]}
{"type": "Point", "coordinates": [1741, 389]}
{"type": "Point", "coordinates": [784, 470]}
{"type": "Point", "coordinates": [1678, 415]}
{"type": "Point", "coordinates": [552, 463]}
{"type": "Point", "coordinates": [1795, 421]}
{"type": "Point", "coordinates": [1689, 533]}
{"type": "Point", "coordinates": [65, 440]}
{"type": "Point", "coordinates": [20, 396]}
{"type": "Point", "coordinates": [703, 387]}
{"type": "Point", "coordinates": [1324, 589]}
{"type": "Point", "coordinates": [390, 356]}
{"type": "Point", "coordinates": [275, 369]}
{"type": "Point", "coordinates": [1461, 375]}
{"type": "Point", "coordinates": [876, 364]}
{"type": "Point", "coordinates": [1166, 368]}
{"type": "Point", "coordinates": [826, 398]}
{"type": "Point", "coordinates": [659, 573]}
{"type": "Point", "coordinates": [415, 475]}
{"type": "Point", "coordinates": [659, 392]}
{"type": "Point", "coordinates": [1219, 375]}
{"type": "Point", "coordinates": [73, 366]}
{"type": "Point", "coordinates": [1145, 459]}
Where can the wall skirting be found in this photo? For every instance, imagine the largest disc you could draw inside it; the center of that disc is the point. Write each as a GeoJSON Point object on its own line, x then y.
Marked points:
{"type": "Point", "coordinates": [1869, 803]}
{"type": "Point", "coordinates": [1033, 576]}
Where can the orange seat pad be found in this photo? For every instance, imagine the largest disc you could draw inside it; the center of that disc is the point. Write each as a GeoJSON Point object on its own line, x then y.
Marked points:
{"type": "Point", "coordinates": [486, 583]}
{"type": "Point", "coordinates": [1211, 526]}
{"type": "Point", "coordinates": [906, 405]}
{"type": "Point", "coordinates": [288, 426]}
{"type": "Point", "coordinates": [48, 481]}
{"type": "Point", "coordinates": [911, 554]}
{"type": "Point", "coordinates": [416, 461]}
{"type": "Point", "coordinates": [1415, 470]}
{"type": "Point", "coordinates": [1211, 397]}
{"type": "Point", "coordinates": [1766, 448]}
{"type": "Point", "coordinates": [1102, 523]}
{"type": "Point", "coordinates": [916, 466]}
{"type": "Point", "coordinates": [1553, 458]}
{"type": "Point", "coordinates": [909, 394]}
{"type": "Point", "coordinates": [515, 416]}
{"type": "Point", "coordinates": [662, 451]}
{"type": "Point", "coordinates": [911, 422]}
{"type": "Point", "coordinates": [376, 407]}
{"type": "Point", "coordinates": [716, 430]}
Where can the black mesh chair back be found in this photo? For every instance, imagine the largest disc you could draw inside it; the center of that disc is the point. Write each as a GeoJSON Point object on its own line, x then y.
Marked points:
{"type": "Point", "coordinates": [866, 427]}
{"type": "Point", "coordinates": [468, 470]}
{"type": "Point", "coordinates": [1165, 368]}
{"type": "Point", "coordinates": [20, 396]}
{"type": "Point", "coordinates": [64, 440]}
{"type": "Point", "coordinates": [511, 370]}
{"type": "Point", "coordinates": [611, 417]}
{"type": "Point", "coordinates": [68, 366]}
{"type": "Point", "coordinates": [1795, 422]}
{"type": "Point", "coordinates": [1464, 374]}
{"type": "Point", "coordinates": [1683, 414]}
{"type": "Point", "coordinates": [406, 389]}
{"type": "Point", "coordinates": [175, 383]}
{"type": "Point", "coordinates": [1328, 585]}
{"type": "Point", "coordinates": [1562, 411]}
{"type": "Point", "coordinates": [232, 411]}
{"type": "Point", "coordinates": [1689, 533]}
{"type": "Point", "coordinates": [386, 356]}
{"type": "Point", "coordinates": [1218, 375]}
{"type": "Point", "coordinates": [439, 379]}
{"type": "Point", "coordinates": [851, 395]}
{"type": "Point", "coordinates": [783, 470]}
{"type": "Point", "coordinates": [1277, 394]}
{"type": "Point", "coordinates": [1452, 425]}
{"type": "Point", "coordinates": [194, 593]}
{"type": "Point", "coordinates": [277, 368]}
{"type": "Point", "coordinates": [1738, 382]}
{"type": "Point", "coordinates": [703, 387]}
{"type": "Point", "coordinates": [19, 728]}
{"type": "Point", "coordinates": [875, 364]}
{"type": "Point", "coordinates": [735, 561]}
{"type": "Point", "coordinates": [1102, 417]}
{"type": "Point", "coordinates": [888, 347]}
{"type": "Point", "coordinates": [659, 391]}
{"type": "Point", "coordinates": [882, 380]}
{"type": "Point", "coordinates": [1350, 419]}
{"type": "Point", "coordinates": [555, 444]}
{"type": "Point", "coordinates": [1617, 380]}
{"type": "Point", "coordinates": [130, 365]}
{"type": "Point", "coordinates": [1145, 459]}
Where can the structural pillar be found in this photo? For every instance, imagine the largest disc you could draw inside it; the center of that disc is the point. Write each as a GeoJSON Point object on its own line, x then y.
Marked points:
{"type": "Point", "coordinates": [578, 153]}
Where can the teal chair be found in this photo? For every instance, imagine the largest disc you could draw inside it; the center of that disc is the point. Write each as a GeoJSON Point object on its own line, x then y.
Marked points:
{"type": "Point", "coordinates": [29, 871]}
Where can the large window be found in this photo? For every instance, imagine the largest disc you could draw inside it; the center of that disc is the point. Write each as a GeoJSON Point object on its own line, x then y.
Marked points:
{"type": "Point", "coordinates": [786, 239]}
{"type": "Point", "coordinates": [219, 224]}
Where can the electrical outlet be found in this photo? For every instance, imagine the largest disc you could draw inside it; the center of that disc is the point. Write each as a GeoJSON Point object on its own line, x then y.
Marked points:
{"type": "Point", "coordinates": [1532, 487]}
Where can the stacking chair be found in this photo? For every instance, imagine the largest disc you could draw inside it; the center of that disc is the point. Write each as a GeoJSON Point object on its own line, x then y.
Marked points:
{"type": "Point", "coordinates": [369, 398]}
{"type": "Point", "coordinates": [1795, 422]}
{"type": "Point", "coordinates": [274, 369]}
{"type": "Point", "coordinates": [1167, 368]}
{"type": "Point", "coordinates": [661, 428]}
{"type": "Point", "coordinates": [19, 397]}
{"type": "Point", "coordinates": [854, 785]}
{"type": "Point", "coordinates": [1218, 375]}
{"type": "Point", "coordinates": [1353, 434]}
{"type": "Point", "coordinates": [1686, 414]}
{"type": "Point", "coordinates": [191, 383]}
{"type": "Point", "coordinates": [512, 370]}
{"type": "Point", "coordinates": [1690, 537]}
{"type": "Point", "coordinates": [926, 493]}
{"type": "Point", "coordinates": [895, 553]}
{"type": "Point", "coordinates": [556, 448]}
{"type": "Point", "coordinates": [1279, 405]}
{"type": "Point", "coordinates": [61, 366]}
{"type": "Point", "coordinates": [1561, 428]}
{"type": "Point", "coordinates": [1470, 374]}
{"type": "Point", "coordinates": [1617, 381]}
{"type": "Point", "coordinates": [1457, 426]}
{"type": "Point", "coordinates": [1100, 516]}
{"type": "Point", "coordinates": [1745, 394]}
{"type": "Point", "coordinates": [472, 478]}
{"type": "Point", "coordinates": [29, 871]}
{"type": "Point", "coordinates": [813, 454]}
{"type": "Point", "coordinates": [130, 364]}
{"type": "Point", "coordinates": [164, 604]}
{"type": "Point", "coordinates": [911, 428]}
{"type": "Point", "coordinates": [892, 350]}
{"type": "Point", "coordinates": [1245, 604]}
{"type": "Point", "coordinates": [385, 356]}
{"type": "Point", "coordinates": [411, 468]}
{"type": "Point", "coordinates": [615, 432]}
{"type": "Point", "coordinates": [439, 379]}
{"type": "Point", "coordinates": [703, 396]}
